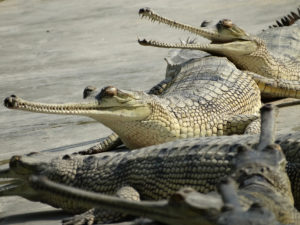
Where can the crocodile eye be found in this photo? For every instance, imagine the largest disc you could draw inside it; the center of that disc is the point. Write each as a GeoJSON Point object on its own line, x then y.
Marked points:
{"type": "Point", "coordinates": [111, 91]}
{"type": "Point", "coordinates": [227, 23]}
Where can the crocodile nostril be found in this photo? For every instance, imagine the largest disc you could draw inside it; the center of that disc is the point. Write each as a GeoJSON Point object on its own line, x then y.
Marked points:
{"type": "Point", "coordinates": [143, 10]}
{"type": "Point", "coordinates": [10, 102]}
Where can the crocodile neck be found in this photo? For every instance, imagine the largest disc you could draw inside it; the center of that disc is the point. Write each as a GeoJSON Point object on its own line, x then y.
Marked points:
{"type": "Point", "coordinates": [160, 126]}
{"type": "Point", "coordinates": [169, 120]}
{"type": "Point", "coordinates": [262, 62]}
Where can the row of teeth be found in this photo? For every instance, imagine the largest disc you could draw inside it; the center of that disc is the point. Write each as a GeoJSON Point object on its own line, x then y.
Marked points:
{"type": "Point", "coordinates": [154, 43]}
{"type": "Point", "coordinates": [152, 18]}
{"type": "Point", "coordinates": [52, 108]}
{"type": "Point", "coordinates": [156, 18]}
{"type": "Point", "coordinates": [167, 45]}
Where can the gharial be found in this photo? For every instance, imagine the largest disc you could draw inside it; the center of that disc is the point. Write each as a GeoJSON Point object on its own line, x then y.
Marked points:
{"type": "Point", "coordinates": [208, 97]}
{"type": "Point", "coordinates": [271, 58]}
{"type": "Point", "coordinates": [154, 172]}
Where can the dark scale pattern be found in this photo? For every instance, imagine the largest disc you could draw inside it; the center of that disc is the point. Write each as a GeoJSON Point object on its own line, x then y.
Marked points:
{"type": "Point", "coordinates": [153, 172]}
{"type": "Point", "coordinates": [294, 175]}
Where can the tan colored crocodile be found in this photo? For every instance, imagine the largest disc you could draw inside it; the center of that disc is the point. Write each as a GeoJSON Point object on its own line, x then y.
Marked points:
{"type": "Point", "coordinates": [272, 57]}
{"type": "Point", "coordinates": [207, 97]}
{"type": "Point", "coordinates": [189, 105]}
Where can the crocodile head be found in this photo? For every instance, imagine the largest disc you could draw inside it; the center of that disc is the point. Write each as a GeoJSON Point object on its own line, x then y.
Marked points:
{"type": "Point", "coordinates": [15, 181]}
{"type": "Point", "coordinates": [227, 39]}
{"type": "Point", "coordinates": [128, 113]}
{"type": "Point", "coordinates": [110, 103]}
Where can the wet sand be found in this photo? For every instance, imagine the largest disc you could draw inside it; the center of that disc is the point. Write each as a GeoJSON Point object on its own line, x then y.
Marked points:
{"type": "Point", "coordinates": [51, 50]}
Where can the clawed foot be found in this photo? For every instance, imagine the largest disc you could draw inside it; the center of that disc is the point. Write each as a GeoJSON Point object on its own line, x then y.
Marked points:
{"type": "Point", "coordinates": [93, 150]}
{"type": "Point", "coordinates": [86, 218]}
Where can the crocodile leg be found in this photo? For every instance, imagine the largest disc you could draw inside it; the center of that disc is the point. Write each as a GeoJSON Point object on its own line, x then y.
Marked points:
{"type": "Point", "coordinates": [107, 144]}
{"type": "Point", "coordinates": [243, 124]}
{"type": "Point", "coordinates": [253, 127]}
{"type": "Point", "coordinates": [84, 218]}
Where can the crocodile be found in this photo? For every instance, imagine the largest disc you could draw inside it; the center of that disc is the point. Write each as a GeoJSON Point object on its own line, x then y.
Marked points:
{"type": "Point", "coordinates": [157, 172]}
{"type": "Point", "coordinates": [272, 57]}
{"type": "Point", "coordinates": [207, 97]}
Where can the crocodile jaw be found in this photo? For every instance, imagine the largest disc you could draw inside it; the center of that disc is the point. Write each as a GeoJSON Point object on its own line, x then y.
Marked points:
{"type": "Point", "coordinates": [14, 181]}
{"type": "Point", "coordinates": [230, 49]}
{"type": "Point", "coordinates": [107, 109]}
{"type": "Point", "coordinates": [226, 38]}
{"type": "Point", "coordinates": [225, 30]}
{"type": "Point", "coordinates": [16, 178]}
{"type": "Point", "coordinates": [132, 115]}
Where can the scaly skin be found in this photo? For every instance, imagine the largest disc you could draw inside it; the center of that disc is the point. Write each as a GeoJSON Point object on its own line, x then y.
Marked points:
{"type": "Point", "coordinates": [152, 173]}
{"type": "Point", "coordinates": [279, 46]}
{"type": "Point", "coordinates": [276, 77]}
{"type": "Point", "coordinates": [262, 195]}
{"type": "Point", "coordinates": [205, 97]}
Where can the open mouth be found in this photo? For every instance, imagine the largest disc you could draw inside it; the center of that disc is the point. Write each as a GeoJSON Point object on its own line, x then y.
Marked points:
{"type": "Point", "coordinates": [148, 13]}
{"type": "Point", "coordinates": [225, 32]}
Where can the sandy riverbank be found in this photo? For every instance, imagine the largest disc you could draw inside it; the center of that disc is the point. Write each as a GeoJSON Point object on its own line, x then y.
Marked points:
{"type": "Point", "coordinates": [51, 50]}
